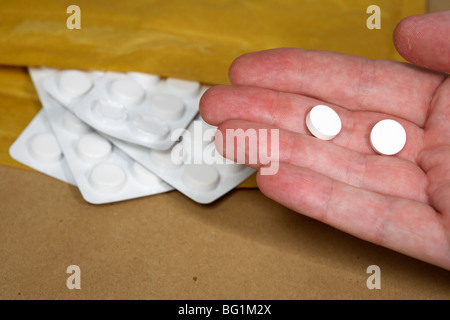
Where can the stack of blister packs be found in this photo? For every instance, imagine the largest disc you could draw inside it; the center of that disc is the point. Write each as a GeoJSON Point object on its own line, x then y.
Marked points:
{"type": "Point", "coordinates": [119, 136]}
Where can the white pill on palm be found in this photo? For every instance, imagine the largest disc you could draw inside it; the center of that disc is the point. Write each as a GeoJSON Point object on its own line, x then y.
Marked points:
{"type": "Point", "coordinates": [388, 137]}
{"type": "Point", "coordinates": [323, 122]}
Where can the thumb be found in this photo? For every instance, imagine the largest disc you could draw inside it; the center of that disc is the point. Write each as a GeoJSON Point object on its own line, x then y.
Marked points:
{"type": "Point", "coordinates": [425, 40]}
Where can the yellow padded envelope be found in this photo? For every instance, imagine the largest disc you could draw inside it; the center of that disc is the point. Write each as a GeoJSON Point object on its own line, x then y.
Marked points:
{"type": "Point", "coordinates": [188, 39]}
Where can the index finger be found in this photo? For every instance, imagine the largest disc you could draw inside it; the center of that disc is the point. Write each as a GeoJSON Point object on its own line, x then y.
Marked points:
{"type": "Point", "coordinates": [352, 82]}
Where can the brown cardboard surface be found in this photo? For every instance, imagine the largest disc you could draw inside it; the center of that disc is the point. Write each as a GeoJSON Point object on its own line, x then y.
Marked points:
{"type": "Point", "coordinates": [244, 246]}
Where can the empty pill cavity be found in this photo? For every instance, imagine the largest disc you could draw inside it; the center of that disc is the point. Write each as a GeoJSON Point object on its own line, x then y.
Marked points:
{"type": "Point", "coordinates": [388, 137]}
{"type": "Point", "coordinates": [107, 177]}
{"type": "Point", "coordinates": [185, 88]}
{"type": "Point", "coordinates": [151, 127]}
{"type": "Point", "coordinates": [93, 147]}
{"type": "Point", "coordinates": [74, 124]}
{"type": "Point", "coordinates": [323, 122]}
{"type": "Point", "coordinates": [126, 91]}
{"type": "Point", "coordinates": [74, 83]}
{"type": "Point", "coordinates": [167, 106]}
{"type": "Point", "coordinates": [110, 112]}
{"type": "Point", "coordinates": [143, 175]}
{"type": "Point", "coordinates": [201, 176]}
{"type": "Point", "coordinates": [45, 148]}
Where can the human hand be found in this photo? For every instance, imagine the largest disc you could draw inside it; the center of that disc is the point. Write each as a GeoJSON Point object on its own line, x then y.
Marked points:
{"type": "Point", "coordinates": [401, 202]}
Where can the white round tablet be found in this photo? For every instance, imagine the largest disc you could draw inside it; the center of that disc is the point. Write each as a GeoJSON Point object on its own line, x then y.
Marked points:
{"type": "Point", "coordinates": [198, 135]}
{"type": "Point", "coordinates": [96, 74]}
{"type": "Point", "coordinates": [184, 88]}
{"type": "Point", "coordinates": [201, 176]}
{"type": "Point", "coordinates": [323, 122]}
{"type": "Point", "coordinates": [107, 177]}
{"type": "Point", "coordinates": [143, 175]}
{"type": "Point", "coordinates": [167, 106]}
{"type": "Point", "coordinates": [74, 83]}
{"type": "Point", "coordinates": [170, 158]}
{"type": "Point", "coordinates": [151, 127]}
{"type": "Point", "coordinates": [388, 137]}
{"type": "Point", "coordinates": [45, 148]}
{"type": "Point", "coordinates": [212, 156]}
{"type": "Point", "coordinates": [73, 123]}
{"type": "Point", "coordinates": [126, 91]}
{"type": "Point", "coordinates": [144, 79]}
{"type": "Point", "coordinates": [111, 113]}
{"type": "Point", "coordinates": [93, 147]}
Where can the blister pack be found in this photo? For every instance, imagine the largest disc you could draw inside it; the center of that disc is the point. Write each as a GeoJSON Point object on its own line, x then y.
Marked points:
{"type": "Point", "coordinates": [69, 86]}
{"type": "Point", "coordinates": [192, 166]}
{"type": "Point", "coordinates": [38, 148]}
{"type": "Point", "coordinates": [139, 108]}
{"type": "Point", "coordinates": [102, 172]}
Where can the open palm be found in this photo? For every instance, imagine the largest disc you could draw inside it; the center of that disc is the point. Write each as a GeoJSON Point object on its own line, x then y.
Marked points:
{"type": "Point", "coordinates": [401, 202]}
